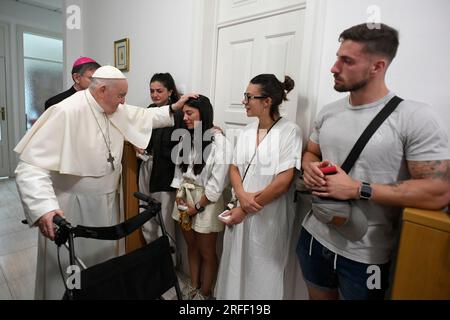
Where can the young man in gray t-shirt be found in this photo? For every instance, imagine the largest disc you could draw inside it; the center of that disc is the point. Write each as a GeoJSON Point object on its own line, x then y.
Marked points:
{"type": "Point", "coordinates": [405, 163]}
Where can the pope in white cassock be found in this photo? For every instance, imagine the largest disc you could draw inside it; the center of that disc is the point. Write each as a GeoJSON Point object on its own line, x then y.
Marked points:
{"type": "Point", "coordinates": [70, 165]}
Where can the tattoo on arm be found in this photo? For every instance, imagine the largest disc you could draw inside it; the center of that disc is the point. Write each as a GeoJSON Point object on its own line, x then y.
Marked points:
{"type": "Point", "coordinates": [437, 169]}
{"type": "Point", "coordinates": [396, 184]}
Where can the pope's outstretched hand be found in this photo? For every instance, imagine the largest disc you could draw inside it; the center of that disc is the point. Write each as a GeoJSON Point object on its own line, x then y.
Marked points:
{"type": "Point", "coordinates": [185, 97]}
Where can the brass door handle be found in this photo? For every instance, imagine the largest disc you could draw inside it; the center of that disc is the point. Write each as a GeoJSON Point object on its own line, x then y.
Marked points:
{"type": "Point", "coordinates": [3, 112]}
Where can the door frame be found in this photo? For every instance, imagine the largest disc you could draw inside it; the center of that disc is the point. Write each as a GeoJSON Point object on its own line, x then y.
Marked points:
{"type": "Point", "coordinates": [4, 153]}
{"type": "Point", "coordinates": [10, 111]}
{"type": "Point", "coordinates": [311, 53]}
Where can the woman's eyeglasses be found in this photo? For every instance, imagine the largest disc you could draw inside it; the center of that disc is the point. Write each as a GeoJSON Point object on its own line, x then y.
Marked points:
{"type": "Point", "coordinates": [248, 97]}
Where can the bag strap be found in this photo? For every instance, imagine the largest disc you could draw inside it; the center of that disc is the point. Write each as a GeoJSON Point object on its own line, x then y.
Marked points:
{"type": "Point", "coordinates": [256, 150]}
{"type": "Point", "coordinates": [368, 133]}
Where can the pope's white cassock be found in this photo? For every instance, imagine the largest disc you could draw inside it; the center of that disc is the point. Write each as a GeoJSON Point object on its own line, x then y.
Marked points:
{"type": "Point", "coordinates": [63, 164]}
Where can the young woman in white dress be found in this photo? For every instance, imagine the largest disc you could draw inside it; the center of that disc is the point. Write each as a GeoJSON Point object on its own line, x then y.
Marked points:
{"type": "Point", "coordinates": [200, 178]}
{"type": "Point", "coordinates": [257, 241]}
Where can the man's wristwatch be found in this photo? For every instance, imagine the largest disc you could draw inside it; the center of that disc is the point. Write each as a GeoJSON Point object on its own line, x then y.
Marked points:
{"type": "Point", "coordinates": [198, 207]}
{"type": "Point", "coordinates": [365, 191]}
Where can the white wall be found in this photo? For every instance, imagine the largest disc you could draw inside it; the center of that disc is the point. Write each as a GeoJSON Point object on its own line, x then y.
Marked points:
{"type": "Point", "coordinates": [421, 70]}
{"type": "Point", "coordinates": [14, 14]}
{"type": "Point", "coordinates": [160, 34]}
{"type": "Point", "coordinates": [74, 31]}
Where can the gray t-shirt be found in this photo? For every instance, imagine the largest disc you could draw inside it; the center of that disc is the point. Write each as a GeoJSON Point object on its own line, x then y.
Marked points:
{"type": "Point", "coordinates": [412, 132]}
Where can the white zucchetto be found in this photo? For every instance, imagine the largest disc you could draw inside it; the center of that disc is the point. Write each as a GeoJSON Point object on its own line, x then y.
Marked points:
{"type": "Point", "coordinates": [108, 72]}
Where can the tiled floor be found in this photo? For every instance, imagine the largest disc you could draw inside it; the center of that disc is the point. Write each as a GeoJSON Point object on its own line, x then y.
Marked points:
{"type": "Point", "coordinates": [18, 247]}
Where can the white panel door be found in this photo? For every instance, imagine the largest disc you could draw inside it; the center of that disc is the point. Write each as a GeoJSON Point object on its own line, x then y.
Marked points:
{"type": "Point", "coordinates": [237, 9]}
{"type": "Point", "coordinates": [4, 151]}
{"type": "Point", "coordinates": [266, 45]}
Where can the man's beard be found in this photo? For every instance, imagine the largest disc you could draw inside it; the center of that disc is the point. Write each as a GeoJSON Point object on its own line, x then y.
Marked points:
{"type": "Point", "coordinates": [352, 87]}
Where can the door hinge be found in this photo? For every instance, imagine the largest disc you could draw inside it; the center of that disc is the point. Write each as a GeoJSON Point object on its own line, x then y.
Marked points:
{"type": "Point", "coordinates": [3, 112]}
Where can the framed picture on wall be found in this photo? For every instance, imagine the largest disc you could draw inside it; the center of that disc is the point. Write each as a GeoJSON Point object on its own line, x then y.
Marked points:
{"type": "Point", "coordinates": [122, 54]}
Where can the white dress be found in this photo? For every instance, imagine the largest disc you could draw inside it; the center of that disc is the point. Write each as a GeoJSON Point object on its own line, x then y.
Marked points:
{"type": "Point", "coordinates": [63, 166]}
{"type": "Point", "coordinates": [256, 251]}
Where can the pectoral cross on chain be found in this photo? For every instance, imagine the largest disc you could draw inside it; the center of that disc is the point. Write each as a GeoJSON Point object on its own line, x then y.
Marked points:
{"type": "Point", "coordinates": [111, 160]}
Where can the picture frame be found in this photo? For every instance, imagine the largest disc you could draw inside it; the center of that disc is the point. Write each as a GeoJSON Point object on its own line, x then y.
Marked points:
{"type": "Point", "coordinates": [122, 54]}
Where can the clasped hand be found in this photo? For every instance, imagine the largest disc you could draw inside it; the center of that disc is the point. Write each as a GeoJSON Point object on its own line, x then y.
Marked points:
{"type": "Point", "coordinates": [247, 201]}
{"type": "Point", "coordinates": [191, 209]}
{"type": "Point", "coordinates": [248, 205]}
{"type": "Point", "coordinates": [236, 215]}
{"type": "Point", "coordinates": [337, 186]}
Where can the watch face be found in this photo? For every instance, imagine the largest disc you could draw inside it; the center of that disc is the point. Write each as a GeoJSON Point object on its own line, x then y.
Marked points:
{"type": "Point", "coordinates": [366, 191]}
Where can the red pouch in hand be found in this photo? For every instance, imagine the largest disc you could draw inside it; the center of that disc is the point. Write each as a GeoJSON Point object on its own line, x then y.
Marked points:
{"type": "Point", "coordinates": [328, 170]}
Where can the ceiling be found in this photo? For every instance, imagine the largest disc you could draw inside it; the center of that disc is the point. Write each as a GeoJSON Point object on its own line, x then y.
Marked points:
{"type": "Point", "coordinates": [53, 5]}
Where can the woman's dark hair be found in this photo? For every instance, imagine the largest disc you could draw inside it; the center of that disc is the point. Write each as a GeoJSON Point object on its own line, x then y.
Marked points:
{"type": "Point", "coordinates": [205, 108]}
{"type": "Point", "coordinates": [167, 81]}
{"type": "Point", "coordinates": [274, 89]}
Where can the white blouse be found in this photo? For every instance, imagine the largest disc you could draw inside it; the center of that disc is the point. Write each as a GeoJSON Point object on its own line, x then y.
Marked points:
{"type": "Point", "coordinates": [214, 176]}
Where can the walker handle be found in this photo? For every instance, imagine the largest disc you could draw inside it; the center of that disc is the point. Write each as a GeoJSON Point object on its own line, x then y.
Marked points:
{"type": "Point", "coordinates": [60, 221]}
{"type": "Point", "coordinates": [143, 197]}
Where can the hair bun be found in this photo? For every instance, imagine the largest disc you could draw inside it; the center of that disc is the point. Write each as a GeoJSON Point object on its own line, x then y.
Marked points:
{"type": "Point", "coordinates": [288, 83]}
